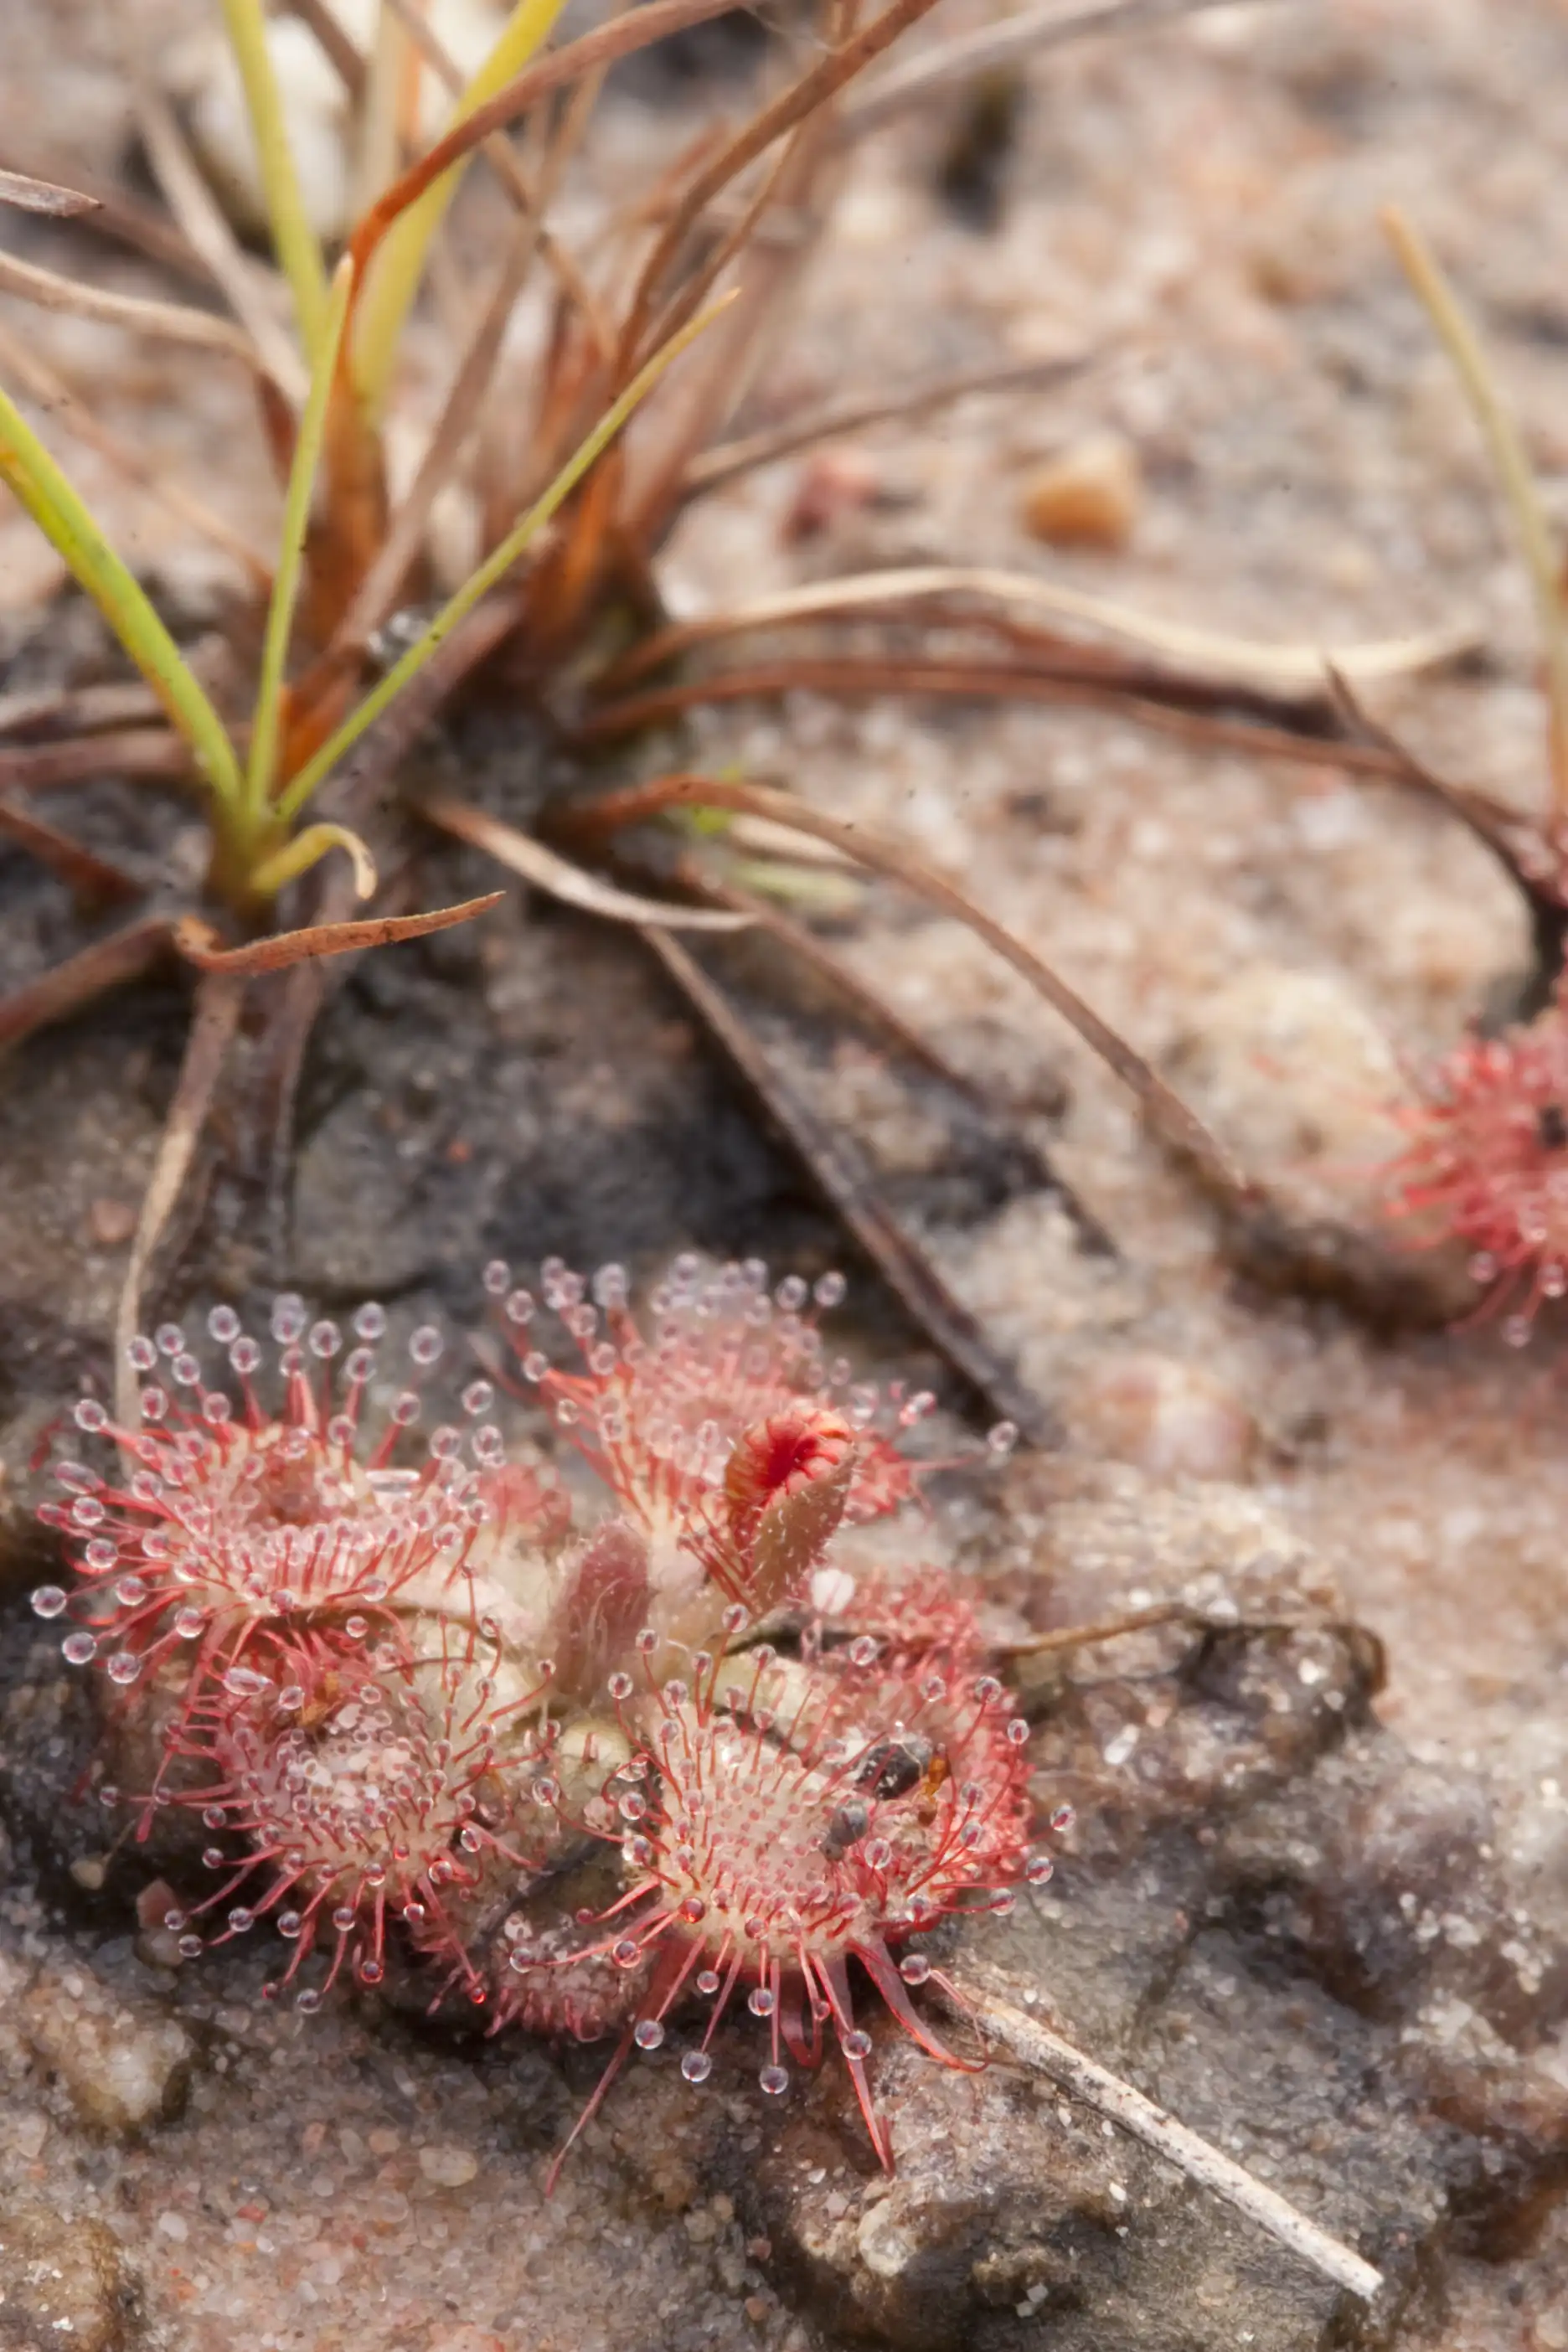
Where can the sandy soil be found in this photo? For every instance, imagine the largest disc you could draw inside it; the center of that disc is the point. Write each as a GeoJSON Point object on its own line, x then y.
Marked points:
{"type": "Point", "coordinates": [1199, 206]}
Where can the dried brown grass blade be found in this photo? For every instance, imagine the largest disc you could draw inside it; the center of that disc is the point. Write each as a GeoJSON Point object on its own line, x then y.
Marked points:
{"type": "Point", "coordinates": [128, 752]}
{"type": "Point", "coordinates": [127, 220]}
{"type": "Point", "coordinates": [1027, 33]}
{"type": "Point", "coordinates": [215, 1019]}
{"type": "Point", "coordinates": [876, 1014]}
{"type": "Point", "coordinates": [377, 592]}
{"type": "Point", "coordinates": [29, 195]}
{"type": "Point", "coordinates": [109, 963]}
{"type": "Point", "coordinates": [846, 982]}
{"type": "Point", "coordinates": [816, 89]}
{"type": "Point", "coordinates": [195, 939]}
{"type": "Point", "coordinates": [1533, 859]}
{"type": "Point", "coordinates": [654, 21]}
{"type": "Point", "coordinates": [336, 47]}
{"type": "Point", "coordinates": [1218, 654]}
{"type": "Point", "coordinates": [76, 710]}
{"type": "Point", "coordinates": [174, 322]}
{"type": "Point", "coordinates": [1080, 682]}
{"type": "Point", "coordinates": [91, 877]}
{"type": "Point", "coordinates": [720, 373]}
{"type": "Point", "coordinates": [245, 285]}
{"type": "Point", "coordinates": [846, 1183]}
{"type": "Point", "coordinates": [839, 419]}
{"type": "Point", "coordinates": [559, 878]}
{"type": "Point", "coordinates": [1165, 1110]}
{"type": "Point", "coordinates": [27, 367]}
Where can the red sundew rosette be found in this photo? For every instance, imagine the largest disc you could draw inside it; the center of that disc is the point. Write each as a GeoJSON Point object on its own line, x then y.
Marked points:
{"type": "Point", "coordinates": [660, 1405]}
{"type": "Point", "coordinates": [770, 1849]}
{"type": "Point", "coordinates": [1487, 1165]}
{"type": "Point", "coordinates": [359, 1791]}
{"type": "Point", "coordinates": [224, 1518]}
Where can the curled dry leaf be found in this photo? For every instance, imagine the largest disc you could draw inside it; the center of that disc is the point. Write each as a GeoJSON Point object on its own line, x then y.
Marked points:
{"type": "Point", "coordinates": [197, 940]}
{"type": "Point", "coordinates": [123, 955]}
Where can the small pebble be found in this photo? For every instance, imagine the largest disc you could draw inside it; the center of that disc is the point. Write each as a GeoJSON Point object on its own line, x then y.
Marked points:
{"type": "Point", "coordinates": [1167, 1418]}
{"type": "Point", "coordinates": [122, 2068]}
{"type": "Point", "coordinates": [448, 2168]}
{"type": "Point", "coordinates": [110, 1221]}
{"type": "Point", "coordinates": [1088, 497]}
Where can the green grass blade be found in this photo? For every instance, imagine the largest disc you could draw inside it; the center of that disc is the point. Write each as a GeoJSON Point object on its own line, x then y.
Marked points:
{"type": "Point", "coordinates": [292, 547]}
{"type": "Point", "coordinates": [294, 240]}
{"type": "Point", "coordinates": [393, 279]}
{"type": "Point", "coordinates": [499, 562]}
{"type": "Point", "coordinates": [1511, 466]}
{"type": "Point", "coordinates": [69, 525]}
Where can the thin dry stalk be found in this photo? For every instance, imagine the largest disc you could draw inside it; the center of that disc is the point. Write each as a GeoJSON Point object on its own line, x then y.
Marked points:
{"type": "Point", "coordinates": [1046, 2054]}
{"type": "Point", "coordinates": [334, 43]}
{"type": "Point", "coordinates": [1180, 1128]}
{"type": "Point", "coordinates": [173, 322]}
{"type": "Point", "coordinates": [846, 1183]}
{"type": "Point", "coordinates": [1542, 557]}
{"type": "Point", "coordinates": [76, 710]}
{"type": "Point", "coordinates": [714, 467]}
{"type": "Point", "coordinates": [655, 20]}
{"type": "Point", "coordinates": [542, 870]}
{"type": "Point", "coordinates": [819, 958]}
{"type": "Point", "coordinates": [127, 221]}
{"type": "Point", "coordinates": [377, 592]}
{"type": "Point", "coordinates": [719, 377]}
{"type": "Point", "coordinates": [245, 288]}
{"type": "Point", "coordinates": [1076, 683]}
{"type": "Point", "coordinates": [533, 202]}
{"type": "Point", "coordinates": [1064, 1638]}
{"type": "Point", "coordinates": [814, 90]}
{"type": "Point", "coordinates": [214, 1025]}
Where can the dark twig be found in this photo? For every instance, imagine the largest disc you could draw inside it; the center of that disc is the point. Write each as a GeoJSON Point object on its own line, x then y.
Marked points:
{"type": "Point", "coordinates": [843, 1179]}
{"type": "Point", "coordinates": [92, 878]}
{"type": "Point", "coordinates": [129, 752]}
{"type": "Point", "coordinates": [1180, 1128]}
{"type": "Point", "coordinates": [109, 963]}
{"type": "Point", "coordinates": [800, 941]}
{"type": "Point", "coordinates": [1521, 847]}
